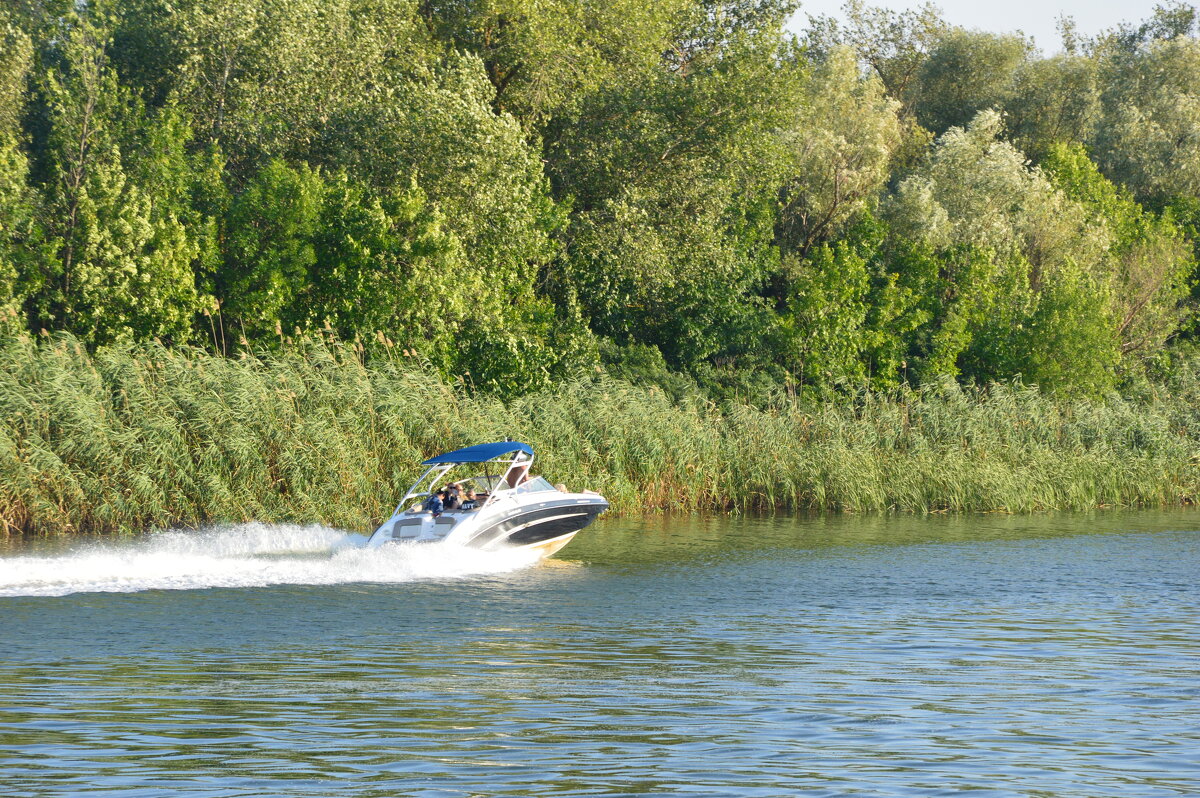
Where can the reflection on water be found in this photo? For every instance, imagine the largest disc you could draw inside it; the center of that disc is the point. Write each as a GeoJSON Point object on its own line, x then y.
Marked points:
{"type": "Point", "coordinates": [1050, 655]}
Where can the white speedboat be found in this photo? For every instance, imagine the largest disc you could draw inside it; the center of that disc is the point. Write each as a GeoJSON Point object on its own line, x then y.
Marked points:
{"type": "Point", "coordinates": [512, 509]}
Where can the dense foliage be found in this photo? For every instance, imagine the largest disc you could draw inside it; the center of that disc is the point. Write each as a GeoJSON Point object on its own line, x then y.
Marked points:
{"type": "Point", "coordinates": [680, 192]}
{"type": "Point", "coordinates": [141, 435]}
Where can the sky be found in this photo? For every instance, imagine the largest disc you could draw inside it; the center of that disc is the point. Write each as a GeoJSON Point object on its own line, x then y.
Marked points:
{"type": "Point", "coordinates": [1036, 18]}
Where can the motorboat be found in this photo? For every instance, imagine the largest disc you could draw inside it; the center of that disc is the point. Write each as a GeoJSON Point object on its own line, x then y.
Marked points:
{"type": "Point", "coordinates": [513, 508]}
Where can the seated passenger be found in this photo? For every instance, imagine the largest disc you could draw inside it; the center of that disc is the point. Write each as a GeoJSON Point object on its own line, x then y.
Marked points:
{"type": "Point", "coordinates": [453, 501]}
{"type": "Point", "coordinates": [516, 475]}
{"type": "Point", "coordinates": [470, 501]}
{"type": "Point", "coordinates": [434, 503]}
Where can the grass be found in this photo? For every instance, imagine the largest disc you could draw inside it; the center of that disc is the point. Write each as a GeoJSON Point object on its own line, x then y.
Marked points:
{"type": "Point", "coordinates": [136, 437]}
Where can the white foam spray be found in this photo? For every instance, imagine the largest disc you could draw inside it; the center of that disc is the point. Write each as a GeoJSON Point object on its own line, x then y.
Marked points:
{"type": "Point", "coordinates": [245, 555]}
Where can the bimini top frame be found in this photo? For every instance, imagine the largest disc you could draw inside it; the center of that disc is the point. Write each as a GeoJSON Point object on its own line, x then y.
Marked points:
{"type": "Point", "coordinates": [484, 453]}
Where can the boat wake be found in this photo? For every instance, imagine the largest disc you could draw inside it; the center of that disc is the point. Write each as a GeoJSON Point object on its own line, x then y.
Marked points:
{"type": "Point", "coordinates": [245, 555]}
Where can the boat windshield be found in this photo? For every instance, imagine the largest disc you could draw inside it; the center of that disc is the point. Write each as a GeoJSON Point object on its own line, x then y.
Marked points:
{"type": "Point", "coordinates": [535, 485]}
{"type": "Point", "coordinates": [486, 484]}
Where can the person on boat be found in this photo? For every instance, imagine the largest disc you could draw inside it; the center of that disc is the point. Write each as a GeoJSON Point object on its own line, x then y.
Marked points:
{"type": "Point", "coordinates": [434, 503]}
{"type": "Point", "coordinates": [517, 474]}
{"type": "Point", "coordinates": [453, 498]}
{"type": "Point", "coordinates": [470, 500]}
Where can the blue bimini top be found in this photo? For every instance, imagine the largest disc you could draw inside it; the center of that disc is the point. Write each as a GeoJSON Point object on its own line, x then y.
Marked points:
{"type": "Point", "coordinates": [480, 453]}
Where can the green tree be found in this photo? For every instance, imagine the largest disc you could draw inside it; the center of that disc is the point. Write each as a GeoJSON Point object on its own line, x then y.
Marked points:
{"type": "Point", "coordinates": [1170, 20]}
{"type": "Point", "coordinates": [1148, 136]}
{"type": "Point", "coordinates": [1149, 259]}
{"type": "Point", "coordinates": [822, 327]}
{"type": "Point", "coordinates": [977, 189]}
{"type": "Point", "coordinates": [966, 72]}
{"type": "Point", "coordinates": [862, 310]}
{"type": "Point", "coordinates": [35, 18]}
{"type": "Point", "coordinates": [840, 147]}
{"type": "Point", "coordinates": [1054, 100]}
{"type": "Point", "coordinates": [486, 179]}
{"type": "Point", "coordinates": [1056, 331]}
{"type": "Point", "coordinates": [542, 58]}
{"type": "Point", "coordinates": [677, 270]}
{"type": "Point", "coordinates": [264, 79]}
{"type": "Point", "coordinates": [893, 44]}
{"type": "Point", "coordinates": [310, 252]}
{"type": "Point", "coordinates": [909, 290]}
{"type": "Point", "coordinates": [16, 211]}
{"type": "Point", "coordinates": [1036, 265]}
{"type": "Point", "coordinates": [672, 183]}
{"type": "Point", "coordinates": [269, 248]}
{"type": "Point", "coordinates": [121, 261]}
{"type": "Point", "coordinates": [384, 264]}
{"type": "Point", "coordinates": [16, 56]}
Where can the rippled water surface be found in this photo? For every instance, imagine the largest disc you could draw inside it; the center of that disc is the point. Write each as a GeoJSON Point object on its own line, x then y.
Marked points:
{"type": "Point", "coordinates": [1048, 656]}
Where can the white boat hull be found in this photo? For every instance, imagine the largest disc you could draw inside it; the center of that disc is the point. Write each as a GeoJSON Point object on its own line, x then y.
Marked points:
{"type": "Point", "coordinates": [542, 522]}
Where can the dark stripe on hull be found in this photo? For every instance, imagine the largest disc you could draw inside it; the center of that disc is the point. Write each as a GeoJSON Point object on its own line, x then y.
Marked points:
{"type": "Point", "coordinates": [539, 525]}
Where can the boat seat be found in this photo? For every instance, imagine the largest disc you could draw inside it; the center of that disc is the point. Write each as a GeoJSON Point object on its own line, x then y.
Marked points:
{"type": "Point", "coordinates": [406, 530]}
{"type": "Point", "coordinates": [442, 527]}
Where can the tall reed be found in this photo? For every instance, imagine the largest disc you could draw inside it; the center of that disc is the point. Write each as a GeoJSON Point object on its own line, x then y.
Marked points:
{"type": "Point", "coordinates": [138, 437]}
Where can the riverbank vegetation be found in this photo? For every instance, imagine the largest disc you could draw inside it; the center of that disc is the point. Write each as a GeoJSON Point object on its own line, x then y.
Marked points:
{"type": "Point", "coordinates": [148, 436]}
{"type": "Point", "coordinates": [705, 254]}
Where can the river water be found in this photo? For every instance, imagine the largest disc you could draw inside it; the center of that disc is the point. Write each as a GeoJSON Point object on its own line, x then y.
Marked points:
{"type": "Point", "coordinates": [1034, 656]}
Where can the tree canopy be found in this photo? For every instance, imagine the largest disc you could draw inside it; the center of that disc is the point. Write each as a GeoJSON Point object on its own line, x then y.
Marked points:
{"type": "Point", "coordinates": [680, 192]}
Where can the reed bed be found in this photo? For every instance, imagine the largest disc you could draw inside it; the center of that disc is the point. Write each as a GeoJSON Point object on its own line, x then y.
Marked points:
{"type": "Point", "coordinates": [138, 437]}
